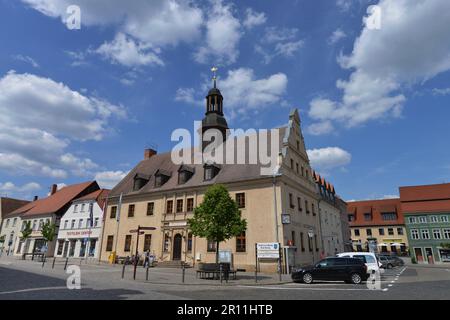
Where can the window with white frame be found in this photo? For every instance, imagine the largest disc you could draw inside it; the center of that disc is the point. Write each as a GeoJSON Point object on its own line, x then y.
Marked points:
{"type": "Point", "coordinates": [75, 208]}
{"type": "Point", "coordinates": [437, 234]}
{"type": "Point", "coordinates": [412, 219]}
{"type": "Point", "coordinates": [65, 224]}
{"type": "Point", "coordinates": [422, 219]}
{"type": "Point", "coordinates": [425, 234]}
{"type": "Point", "coordinates": [434, 219]}
{"type": "Point", "coordinates": [34, 225]}
{"type": "Point", "coordinates": [7, 223]}
{"type": "Point", "coordinates": [96, 222]}
{"type": "Point", "coordinates": [80, 224]}
{"type": "Point", "coordinates": [414, 234]}
{"type": "Point", "coordinates": [14, 222]}
{"type": "Point", "coordinates": [444, 218]}
{"type": "Point", "coordinates": [82, 207]}
{"type": "Point", "coordinates": [446, 233]}
{"type": "Point", "coordinates": [72, 225]}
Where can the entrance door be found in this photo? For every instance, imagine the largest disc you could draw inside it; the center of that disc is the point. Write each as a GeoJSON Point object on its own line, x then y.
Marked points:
{"type": "Point", "coordinates": [429, 255]}
{"type": "Point", "coordinates": [177, 247]}
{"type": "Point", "coordinates": [66, 249]}
{"type": "Point", "coordinates": [419, 254]}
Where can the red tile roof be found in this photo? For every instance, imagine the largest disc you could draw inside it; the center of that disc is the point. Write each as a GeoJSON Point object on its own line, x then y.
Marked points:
{"type": "Point", "coordinates": [57, 201]}
{"type": "Point", "coordinates": [8, 205]}
{"type": "Point", "coordinates": [428, 198]}
{"type": "Point", "coordinates": [376, 207]}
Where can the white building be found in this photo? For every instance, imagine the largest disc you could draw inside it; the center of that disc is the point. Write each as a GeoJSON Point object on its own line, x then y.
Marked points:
{"type": "Point", "coordinates": [80, 227]}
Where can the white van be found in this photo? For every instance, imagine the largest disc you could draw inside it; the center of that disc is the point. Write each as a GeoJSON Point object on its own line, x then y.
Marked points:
{"type": "Point", "coordinates": [371, 261]}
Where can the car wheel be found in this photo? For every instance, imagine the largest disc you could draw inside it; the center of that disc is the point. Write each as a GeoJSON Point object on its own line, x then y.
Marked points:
{"type": "Point", "coordinates": [355, 278]}
{"type": "Point", "coordinates": [307, 278]}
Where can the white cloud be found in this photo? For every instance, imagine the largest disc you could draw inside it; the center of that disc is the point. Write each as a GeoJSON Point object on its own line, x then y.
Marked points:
{"type": "Point", "coordinates": [186, 95]}
{"type": "Point", "coordinates": [276, 34]}
{"type": "Point", "coordinates": [441, 91]}
{"type": "Point", "coordinates": [26, 59]}
{"type": "Point", "coordinates": [223, 33]}
{"type": "Point", "coordinates": [344, 5]}
{"type": "Point", "coordinates": [328, 158]}
{"type": "Point", "coordinates": [320, 128]}
{"type": "Point", "coordinates": [278, 42]}
{"type": "Point", "coordinates": [336, 36]}
{"type": "Point", "coordinates": [153, 23]}
{"type": "Point", "coordinates": [9, 187]}
{"type": "Point", "coordinates": [40, 119]}
{"type": "Point", "coordinates": [383, 63]}
{"type": "Point", "coordinates": [390, 196]}
{"type": "Point", "coordinates": [254, 19]}
{"type": "Point", "coordinates": [124, 50]}
{"type": "Point", "coordinates": [109, 179]}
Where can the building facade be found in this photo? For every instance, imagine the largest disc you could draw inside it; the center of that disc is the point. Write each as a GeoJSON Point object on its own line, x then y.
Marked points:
{"type": "Point", "coordinates": [49, 209]}
{"type": "Point", "coordinates": [282, 207]}
{"type": "Point", "coordinates": [80, 227]}
{"type": "Point", "coordinates": [10, 224]}
{"type": "Point", "coordinates": [427, 219]}
{"type": "Point", "coordinates": [330, 218]}
{"type": "Point", "coordinates": [378, 226]}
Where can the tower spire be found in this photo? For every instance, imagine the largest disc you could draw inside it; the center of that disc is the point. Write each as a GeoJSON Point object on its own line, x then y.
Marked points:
{"type": "Point", "coordinates": [214, 71]}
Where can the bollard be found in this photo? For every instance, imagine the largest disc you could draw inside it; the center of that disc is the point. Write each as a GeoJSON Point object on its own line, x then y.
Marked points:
{"type": "Point", "coordinates": [123, 269]}
{"type": "Point", "coordinates": [53, 264]}
{"type": "Point", "coordinates": [146, 273]}
{"type": "Point", "coordinates": [220, 272]}
{"type": "Point", "coordinates": [183, 272]}
{"type": "Point", "coordinates": [65, 265]}
{"type": "Point", "coordinates": [43, 261]}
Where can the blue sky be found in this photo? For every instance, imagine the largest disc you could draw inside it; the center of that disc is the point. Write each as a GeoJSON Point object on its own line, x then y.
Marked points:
{"type": "Point", "coordinates": [83, 104]}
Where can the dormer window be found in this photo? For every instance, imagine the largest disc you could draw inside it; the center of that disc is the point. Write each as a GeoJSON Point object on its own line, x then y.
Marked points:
{"type": "Point", "coordinates": [211, 171]}
{"type": "Point", "coordinates": [161, 177]}
{"type": "Point", "coordinates": [140, 180]}
{"type": "Point", "coordinates": [184, 174]}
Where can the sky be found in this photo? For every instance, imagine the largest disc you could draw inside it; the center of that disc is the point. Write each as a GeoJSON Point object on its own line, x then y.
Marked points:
{"type": "Point", "coordinates": [372, 85]}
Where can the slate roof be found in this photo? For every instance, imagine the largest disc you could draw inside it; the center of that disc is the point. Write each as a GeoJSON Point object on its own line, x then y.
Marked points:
{"type": "Point", "coordinates": [163, 163]}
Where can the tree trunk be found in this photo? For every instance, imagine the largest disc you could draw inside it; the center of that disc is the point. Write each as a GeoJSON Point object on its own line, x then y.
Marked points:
{"type": "Point", "coordinates": [217, 251]}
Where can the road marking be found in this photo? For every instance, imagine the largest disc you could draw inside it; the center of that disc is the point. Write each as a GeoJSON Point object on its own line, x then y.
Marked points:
{"type": "Point", "coordinates": [33, 289]}
{"type": "Point", "coordinates": [385, 289]}
{"type": "Point", "coordinates": [305, 288]}
{"type": "Point", "coordinates": [390, 285]}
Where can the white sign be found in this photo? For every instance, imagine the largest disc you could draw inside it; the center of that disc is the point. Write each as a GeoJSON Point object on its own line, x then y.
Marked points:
{"type": "Point", "coordinates": [269, 250]}
{"type": "Point", "coordinates": [177, 224]}
{"type": "Point", "coordinates": [310, 233]}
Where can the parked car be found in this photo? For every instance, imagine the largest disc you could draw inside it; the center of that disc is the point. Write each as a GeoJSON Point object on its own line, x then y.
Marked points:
{"type": "Point", "coordinates": [387, 262]}
{"type": "Point", "coordinates": [349, 270]}
{"type": "Point", "coordinates": [394, 260]}
{"type": "Point", "coordinates": [369, 258]}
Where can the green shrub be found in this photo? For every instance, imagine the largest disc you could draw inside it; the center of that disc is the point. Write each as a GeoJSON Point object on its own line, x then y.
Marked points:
{"type": "Point", "coordinates": [413, 260]}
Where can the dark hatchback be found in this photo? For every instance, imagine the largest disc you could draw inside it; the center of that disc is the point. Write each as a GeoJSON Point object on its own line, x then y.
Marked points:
{"type": "Point", "coordinates": [350, 270]}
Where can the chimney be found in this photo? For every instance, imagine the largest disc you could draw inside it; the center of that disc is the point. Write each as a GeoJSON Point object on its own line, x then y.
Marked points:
{"type": "Point", "coordinates": [35, 198]}
{"type": "Point", "coordinates": [148, 153]}
{"type": "Point", "coordinates": [54, 189]}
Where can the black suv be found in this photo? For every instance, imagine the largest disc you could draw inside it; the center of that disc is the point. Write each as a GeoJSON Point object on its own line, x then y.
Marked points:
{"type": "Point", "coordinates": [350, 270]}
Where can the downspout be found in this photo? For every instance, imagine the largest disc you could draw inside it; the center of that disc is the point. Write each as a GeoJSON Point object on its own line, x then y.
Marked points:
{"type": "Point", "coordinates": [105, 210]}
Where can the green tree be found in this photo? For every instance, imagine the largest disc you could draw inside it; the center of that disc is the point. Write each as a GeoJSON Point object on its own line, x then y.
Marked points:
{"type": "Point", "coordinates": [217, 218]}
{"type": "Point", "coordinates": [27, 230]}
{"type": "Point", "coordinates": [2, 238]}
{"type": "Point", "coordinates": [49, 231]}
